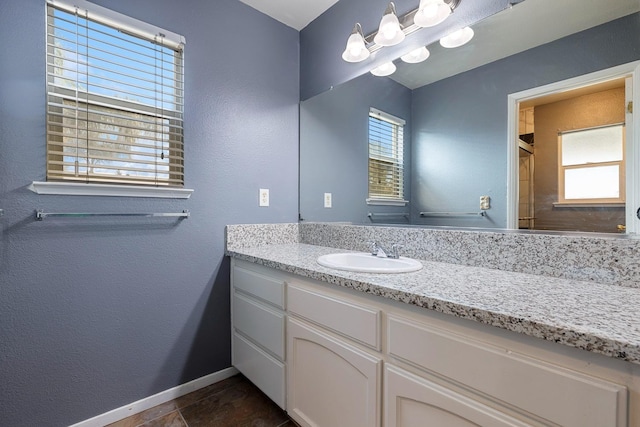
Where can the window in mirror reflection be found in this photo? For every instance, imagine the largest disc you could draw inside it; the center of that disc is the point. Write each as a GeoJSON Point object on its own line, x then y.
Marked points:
{"type": "Point", "coordinates": [386, 157]}
{"type": "Point", "coordinates": [592, 166]}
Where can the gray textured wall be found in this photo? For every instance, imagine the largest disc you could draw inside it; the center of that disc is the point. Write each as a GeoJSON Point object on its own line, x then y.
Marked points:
{"type": "Point", "coordinates": [334, 152]}
{"type": "Point", "coordinates": [96, 314]}
{"type": "Point", "coordinates": [460, 123]}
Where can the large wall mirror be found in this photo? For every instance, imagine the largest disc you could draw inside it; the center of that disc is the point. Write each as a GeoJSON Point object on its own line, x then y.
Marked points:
{"type": "Point", "coordinates": [491, 131]}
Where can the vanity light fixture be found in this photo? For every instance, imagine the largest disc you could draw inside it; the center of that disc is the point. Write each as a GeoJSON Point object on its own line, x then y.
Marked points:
{"type": "Point", "coordinates": [385, 69]}
{"type": "Point", "coordinates": [389, 33]}
{"type": "Point", "coordinates": [433, 12]}
{"type": "Point", "coordinates": [416, 55]}
{"type": "Point", "coordinates": [356, 49]}
{"type": "Point", "coordinates": [457, 38]}
{"type": "Point", "coordinates": [393, 28]}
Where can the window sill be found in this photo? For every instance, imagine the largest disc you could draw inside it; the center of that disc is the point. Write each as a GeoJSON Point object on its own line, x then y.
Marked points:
{"type": "Point", "coordinates": [387, 202]}
{"type": "Point", "coordinates": [589, 205]}
{"type": "Point", "coordinates": [74, 189]}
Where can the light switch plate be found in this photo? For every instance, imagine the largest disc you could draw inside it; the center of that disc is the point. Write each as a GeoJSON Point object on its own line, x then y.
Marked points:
{"type": "Point", "coordinates": [264, 197]}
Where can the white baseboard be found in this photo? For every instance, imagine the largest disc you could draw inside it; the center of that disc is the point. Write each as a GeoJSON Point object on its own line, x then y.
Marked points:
{"type": "Point", "coordinates": [157, 399]}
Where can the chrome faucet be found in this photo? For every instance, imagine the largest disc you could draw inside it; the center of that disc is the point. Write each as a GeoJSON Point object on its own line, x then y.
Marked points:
{"type": "Point", "coordinates": [395, 251]}
{"type": "Point", "coordinates": [378, 250]}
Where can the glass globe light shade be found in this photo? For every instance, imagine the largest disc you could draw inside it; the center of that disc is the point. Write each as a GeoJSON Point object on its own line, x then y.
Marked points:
{"type": "Point", "coordinates": [389, 32]}
{"type": "Point", "coordinates": [385, 69]}
{"type": "Point", "coordinates": [457, 38]}
{"type": "Point", "coordinates": [431, 12]}
{"type": "Point", "coordinates": [416, 55]}
{"type": "Point", "coordinates": [356, 50]}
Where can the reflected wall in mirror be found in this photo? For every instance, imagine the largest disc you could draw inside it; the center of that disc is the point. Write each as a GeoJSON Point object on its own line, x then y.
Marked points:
{"type": "Point", "coordinates": [334, 148]}
{"type": "Point", "coordinates": [457, 129]}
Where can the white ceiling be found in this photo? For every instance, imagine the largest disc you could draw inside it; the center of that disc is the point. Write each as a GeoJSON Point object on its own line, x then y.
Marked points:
{"type": "Point", "coordinates": [296, 14]}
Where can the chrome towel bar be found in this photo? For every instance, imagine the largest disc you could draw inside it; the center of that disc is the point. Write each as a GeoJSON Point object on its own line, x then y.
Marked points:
{"type": "Point", "coordinates": [481, 213]}
{"type": "Point", "coordinates": [40, 215]}
{"type": "Point", "coordinates": [372, 214]}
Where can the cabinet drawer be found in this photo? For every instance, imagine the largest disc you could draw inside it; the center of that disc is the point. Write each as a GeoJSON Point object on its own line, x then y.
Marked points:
{"type": "Point", "coordinates": [264, 371]}
{"type": "Point", "coordinates": [262, 287]}
{"type": "Point", "coordinates": [353, 320]}
{"type": "Point", "coordinates": [562, 396]}
{"type": "Point", "coordinates": [260, 323]}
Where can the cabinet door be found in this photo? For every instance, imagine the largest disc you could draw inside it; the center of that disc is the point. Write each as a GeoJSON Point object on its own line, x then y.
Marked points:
{"type": "Point", "coordinates": [412, 401]}
{"type": "Point", "coordinates": [330, 382]}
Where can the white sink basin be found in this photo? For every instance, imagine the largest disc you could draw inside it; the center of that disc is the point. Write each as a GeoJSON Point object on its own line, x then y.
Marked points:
{"type": "Point", "coordinates": [366, 263]}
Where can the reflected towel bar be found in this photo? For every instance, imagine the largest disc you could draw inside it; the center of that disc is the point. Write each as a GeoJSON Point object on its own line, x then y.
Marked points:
{"type": "Point", "coordinates": [481, 213]}
{"type": "Point", "coordinates": [40, 215]}
{"type": "Point", "coordinates": [372, 214]}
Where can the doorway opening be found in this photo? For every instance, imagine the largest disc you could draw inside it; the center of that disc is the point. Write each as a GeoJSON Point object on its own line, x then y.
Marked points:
{"type": "Point", "coordinates": [579, 135]}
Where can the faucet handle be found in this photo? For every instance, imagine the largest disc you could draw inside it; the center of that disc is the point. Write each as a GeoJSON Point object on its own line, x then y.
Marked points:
{"type": "Point", "coordinates": [373, 247]}
{"type": "Point", "coordinates": [395, 251]}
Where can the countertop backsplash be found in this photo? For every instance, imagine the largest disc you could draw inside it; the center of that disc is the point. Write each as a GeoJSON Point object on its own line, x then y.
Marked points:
{"type": "Point", "coordinates": [599, 258]}
{"type": "Point", "coordinates": [248, 235]}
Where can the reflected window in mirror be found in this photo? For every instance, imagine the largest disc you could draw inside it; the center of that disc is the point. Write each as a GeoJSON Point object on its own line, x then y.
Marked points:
{"type": "Point", "coordinates": [592, 169]}
{"type": "Point", "coordinates": [386, 158]}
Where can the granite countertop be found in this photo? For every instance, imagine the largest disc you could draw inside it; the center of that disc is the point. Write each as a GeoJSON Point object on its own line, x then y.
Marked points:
{"type": "Point", "coordinates": [603, 319]}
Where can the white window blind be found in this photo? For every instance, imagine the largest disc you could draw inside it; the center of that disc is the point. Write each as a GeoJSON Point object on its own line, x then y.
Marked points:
{"type": "Point", "coordinates": [114, 98]}
{"type": "Point", "coordinates": [386, 156]}
{"type": "Point", "coordinates": [592, 169]}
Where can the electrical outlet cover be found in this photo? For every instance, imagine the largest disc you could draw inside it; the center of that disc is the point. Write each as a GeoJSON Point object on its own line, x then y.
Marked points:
{"type": "Point", "coordinates": [264, 197]}
{"type": "Point", "coordinates": [327, 200]}
{"type": "Point", "coordinates": [485, 202]}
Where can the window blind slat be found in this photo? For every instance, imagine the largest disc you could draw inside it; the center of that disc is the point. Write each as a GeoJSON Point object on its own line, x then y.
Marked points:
{"type": "Point", "coordinates": [114, 104]}
{"type": "Point", "coordinates": [122, 121]}
{"type": "Point", "coordinates": [106, 179]}
{"type": "Point", "coordinates": [144, 55]}
{"type": "Point", "coordinates": [56, 100]}
{"type": "Point", "coordinates": [144, 95]}
{"type": "Point", "coordinates": [122, 23]}
{"type": "Point", "coordinates": [138, 157]}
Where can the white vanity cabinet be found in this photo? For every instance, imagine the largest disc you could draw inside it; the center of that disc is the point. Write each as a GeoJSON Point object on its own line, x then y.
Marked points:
{"type": "Point", "coordinates": [258, 327]}
{"type": "Point", "coordinates": [332, 378]}
{"type": "Point", "coordinates": [535, 391]}
{"type": "Point", "coordinates": [354, 359]}
{"type": "Point", "coordinates": [330, 382]}
{"type": "Point", "coordinates": [413, 401]}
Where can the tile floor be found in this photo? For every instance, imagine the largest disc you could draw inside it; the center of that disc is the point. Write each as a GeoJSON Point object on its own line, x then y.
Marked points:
{"type": "Point", "coordinates": [234, 402]}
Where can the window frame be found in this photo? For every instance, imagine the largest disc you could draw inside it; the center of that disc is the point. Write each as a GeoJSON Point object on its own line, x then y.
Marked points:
{"type": "Point", "coordinates": [146, 33]}
{"type": "Point", "coordinates": [592, 202]}
{"type": "Point", "coordinates": [396, 161]}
